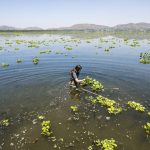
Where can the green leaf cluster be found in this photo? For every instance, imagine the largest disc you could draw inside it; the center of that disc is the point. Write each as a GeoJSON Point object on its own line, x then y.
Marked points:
{"type": "Point", "coordinates": [136, 106]}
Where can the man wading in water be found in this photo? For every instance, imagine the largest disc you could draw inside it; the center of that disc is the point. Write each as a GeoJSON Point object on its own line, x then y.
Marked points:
{"type": "Point", "coordinates": [75, 76]}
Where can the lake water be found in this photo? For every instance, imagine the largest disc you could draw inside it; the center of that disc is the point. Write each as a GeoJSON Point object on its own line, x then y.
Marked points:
{"type": "Point", "coordinates": [28, 90]}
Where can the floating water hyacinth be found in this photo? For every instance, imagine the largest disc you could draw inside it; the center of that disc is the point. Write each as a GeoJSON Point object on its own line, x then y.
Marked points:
{"type": "Point", "coordinates": [114, 110]}
{"type": "Point", "coordinates": [16, 48]}
{"type": "Point", "coordinates": [136, 106]}
{"type": "Point", "coordinates": [147, 127]}
{"type": "Point", "coordinates": [94, 84]}
{"type": "Point", "coordinates": [105, 101]}
{"type": "Point", "coordinates": [90, 147]}
{"type": "Point", "coordinates": [74, 108]}
{"type": "Point", "coordinates": [4, 65]}
{"type": "Point", "coordinates": [112, 106]}
{"type": "Point", "coordinates": [9, 43]}
{"type": "Point", "coordinates": [46, 127]}
{"type": "Point", "coordinates": [41, 117]}
{"type": "Point", "coordinates": [45, 51]}
{"type": "Point", "coordinates": [1, 48]}
{"type": "Point", "coordinates": [35, 60]}
{"type": "Point", "coordinates": [94, 101]}
{"type": "Point", "coordinates": [87, 81]}
{"type": "Point", "coordinates": [18, 60]}
{"type": "Point", "coordinates": [145, 58]}
{"type": "Point", "coordinates": [106, 144]}
{"type": "Point", "coordinates": [4, 122]}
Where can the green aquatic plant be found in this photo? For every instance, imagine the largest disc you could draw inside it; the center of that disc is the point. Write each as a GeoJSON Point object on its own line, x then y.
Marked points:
{"type": "Point", "coordinates": [94, 101]}
{"type": "Point", "coordinates": [107, 49]}
{"type": "Point", "coordinates": [90, 147]}
{"type": "Point", "coordinates": [145, 58]}
{"type": "Point", "coordinates": [112, 106]}
{"type": "Point", "coordinates": [16, 48]}
{"type": "Point", "coordinates": [87, 81]}
{"type": "Point", "coordinates": [9, 43]}
{"type": "Point", "coordinates": [35, 60]}
{"type": "Point", "coordinates": [74, 108]}
{"type": "Point", "coordinates": [69, 48]}
{"type": "Point", "coordinates": [19, 41]}
{"type": "Point", "coordinates": [108, 144]}
{"type": "Point", "coordinates": [46, 128]}
{"type": "Point", "coordinates": [1, 48]}
{"type": "Point", "coordinates": [126, 39]}
{"type": "Point", "coordinates": [147, 127]}
{"type": "Point", "coordinates": [41, 117]}
{"type": "Point", "coordinates": [19, 60]}
{"type": "Point", "coordinates": [45, 51]}
{"type": "Point", "coordinates": [94, 84]}
{"type": "Point", "coordinates": [4, 65]}
{"type": "Point", "coordinates": [4, 122]}
{"type": "Point", "coordinates": [114, 110]}
{"type": "Point", "coordinates": [105, 101]}
{"type": "Point", "coordinates": [136, 106]}
{"type": "Point", "coordinates": [88, 42]}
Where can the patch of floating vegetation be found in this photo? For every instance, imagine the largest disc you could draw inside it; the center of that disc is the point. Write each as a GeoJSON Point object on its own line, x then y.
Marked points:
{"type": "Point", "coordinates": [35, 60]}
{"type": "Point", "coordinates": [9, 43]}
{"type": "Point", "coordinates": [46, 128]}
{"type": "Point", "coordinates": [1, 48]}
{"type": "Point", "coordinates": [45, 51]}
{"type": "Point", "coordinates": [67, 47]}
{"type": "Point", "coordinates": [136, 106]}
{"type": "Point", "coordinates": [106, 144]}
{"type": "Point", "coordinates": [74, 108]}
{"type": "Point", "coordinates": [88, 41]}
{"type": "Point", "coordinates": [41, 117]}
{"type": "Point", "coordinates": [93, 83]}
{"type": "Point", "coordinates": [109, 48]}
{"type": "Point", "coordinates": [112, 106]}
{"type": "Point", "coordinates": [16, 48]}
{"type": "Point", "coordinates": [147, 128]}
{"type": "Point", "coordinates": [135, 43]}
{"type": "Point", "coordinates": [4, 122]}
{"type": "Point", "coordinates": [19, 60]}
{"type": "Point", "coordinates": [19, 41]}
{"type": "Point", "coordinates": [145, 58]}
{"type": "Point", "coordinates": [4, 65]}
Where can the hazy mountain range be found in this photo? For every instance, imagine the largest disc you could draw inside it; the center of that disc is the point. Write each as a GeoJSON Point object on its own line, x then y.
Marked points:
{"type": "Point", "coordinates": [122, 27]}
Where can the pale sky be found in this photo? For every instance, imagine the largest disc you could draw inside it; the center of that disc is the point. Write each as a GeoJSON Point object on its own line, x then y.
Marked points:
{"type": "Point", "coordinates": [63, 13]}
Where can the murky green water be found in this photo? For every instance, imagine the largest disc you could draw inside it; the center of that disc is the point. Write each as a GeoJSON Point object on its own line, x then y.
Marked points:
{"type": "Point", "coordinates": [28, 90]}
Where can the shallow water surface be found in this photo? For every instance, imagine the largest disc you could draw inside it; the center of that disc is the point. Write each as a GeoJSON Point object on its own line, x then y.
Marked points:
{"type": "Point", "coordinates": [28, 90]}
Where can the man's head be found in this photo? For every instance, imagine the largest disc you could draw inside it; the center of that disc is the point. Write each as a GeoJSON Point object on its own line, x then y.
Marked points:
{"type": "Point", "coordinates": [78, 68]}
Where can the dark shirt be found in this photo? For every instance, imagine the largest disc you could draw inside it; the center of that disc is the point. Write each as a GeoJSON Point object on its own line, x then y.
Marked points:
{"type": "Point", "coordinates": [74, 76]}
